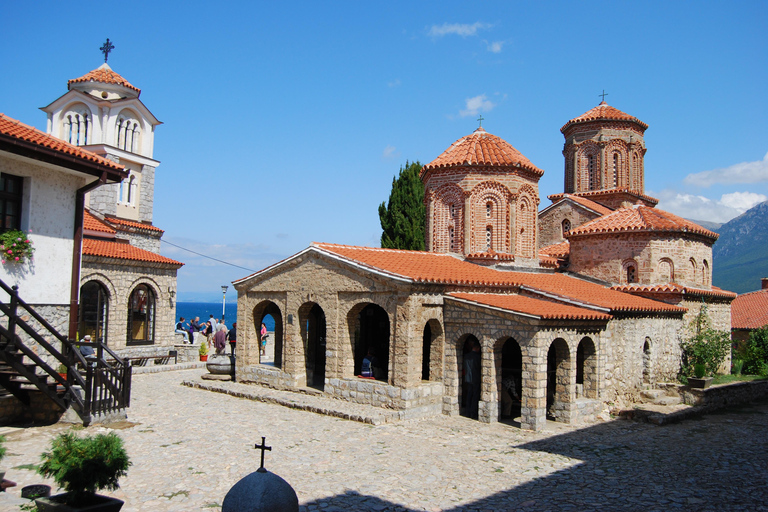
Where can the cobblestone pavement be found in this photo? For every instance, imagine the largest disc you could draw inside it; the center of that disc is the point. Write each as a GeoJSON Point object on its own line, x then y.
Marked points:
{"type": "Point", "coordinates": [189, 446]}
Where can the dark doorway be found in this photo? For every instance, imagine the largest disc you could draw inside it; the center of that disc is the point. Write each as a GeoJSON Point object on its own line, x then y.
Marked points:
{"type": "Point", "coordinates": [426, 345]}
{"type": "Point", "coordinates": [316, 345]}
{"type": "Point", "coordinates": [268, 313]}
{"type": "Point", "coordinates": [94, 308]}
{"type": "Point", "coordinates": [372, 334]}
{"type": "Point", "coordinates": [464, 388]}
{"type": "Point", "coordinates": [557, 378]}
{"type": "Point", "coordinates": [511, 391]}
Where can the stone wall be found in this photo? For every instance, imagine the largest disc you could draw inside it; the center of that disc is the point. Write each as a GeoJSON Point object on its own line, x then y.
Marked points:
{"type": "Point", "coordinates": [551, 221]}
{"type": "Point", "coordinates": [721, 396]}
{"type": "Point", "coordinates": [149, 243]}
{"type": "Point", "coordinates": [147, 194]}
{"type": "Point", "coordinates": [103, 199]}
{"type": "Point", "coordinates": [40, 411]}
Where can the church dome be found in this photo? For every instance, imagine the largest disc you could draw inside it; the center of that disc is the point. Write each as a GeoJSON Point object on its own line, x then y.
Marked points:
{"type": "Point", "coordinates": [104, 75]}
{"type": "Point", "coordinates": [641, 219]}
{"type": "Point", "coordinates": [481, 149]}
{"type": "Point", "coordinates": [603, 112]}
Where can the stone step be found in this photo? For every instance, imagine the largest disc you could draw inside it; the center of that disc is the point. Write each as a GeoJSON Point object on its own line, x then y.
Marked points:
{"type": "Point", "coordinates": [668, 400]}
{"type": "Point", "coordinates": [652, 394]}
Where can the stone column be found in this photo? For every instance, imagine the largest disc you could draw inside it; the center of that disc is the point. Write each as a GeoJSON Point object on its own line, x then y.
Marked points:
{"type": "Point", "coordinates": [534, 390]}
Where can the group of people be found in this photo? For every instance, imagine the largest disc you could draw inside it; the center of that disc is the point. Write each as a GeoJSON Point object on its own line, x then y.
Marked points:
{"type": "Point", "coordinates": [214, 330]}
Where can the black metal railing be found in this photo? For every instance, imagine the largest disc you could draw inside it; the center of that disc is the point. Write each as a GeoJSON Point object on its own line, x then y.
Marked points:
{"type": "Point", "coordinates": [105, 383]}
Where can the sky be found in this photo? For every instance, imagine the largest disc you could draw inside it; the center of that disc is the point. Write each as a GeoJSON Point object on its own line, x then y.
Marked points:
{"type": "Point", "coordinates": [284, 123]}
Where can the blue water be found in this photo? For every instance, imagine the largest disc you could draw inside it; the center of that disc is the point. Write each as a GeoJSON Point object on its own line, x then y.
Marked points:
{"type": "Point", "coordinates": [205, 309]}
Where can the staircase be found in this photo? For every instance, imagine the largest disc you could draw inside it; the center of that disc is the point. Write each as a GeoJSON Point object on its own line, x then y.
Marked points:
{"type": "Point", "coordinates": [93, 387]}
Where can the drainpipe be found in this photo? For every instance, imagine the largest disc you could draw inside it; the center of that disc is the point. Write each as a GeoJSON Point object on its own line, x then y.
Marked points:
{"type": "Point", "coordinates": [77, 252]}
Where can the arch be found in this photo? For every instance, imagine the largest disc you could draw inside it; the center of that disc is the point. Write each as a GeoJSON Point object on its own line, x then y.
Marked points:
{"type": "Point", "coordinates": [588, 175]}
{"type": "Point", "coordinates": [647, 361]}
{"type": "Point", "coordinates": [629, 271]}
{"type": "Point", "coordinates": [636, 171]}
{"type": "Point", "coordinates": [586, 368]}
{"type": "Point", "coordinates": [447, 218]}
{"type": "Point", "coordinates": [693, 269]}
{"type": "Point", "coordinates": [526, 226]}
{"type": "Point", "coordinates": [93, 311]}
{"type": "Point", "coordinates": [558, 380]}
{"type": "Point", "coordinates": [509, 378]}
{"type": "Point", "coordinates": [489, 202]}
{"type": "Point", "coordinates": [705, 273]}
{"type": "Point", "coordinates": [566, 226]}
{"type": "Point", "coordinates": [260, 311]}
{"type": "Point", "coordinates": [666, 270]}
{"type": "Point", "coordinates": [128, 131]}
{"type": "Point", "coordinates": [469, 395]}
{"type": "Point", "coordinates": [77, 124]}
{"type": "Point", "coordinates": [432, 351]}
{"type": "Point", "coordinates": [131, 199]}
{"type": "Point", "coordinates": [369, 329]}
{"type": "Point", "coordinates": [141, 315]}
{"type": "Point", "coordinates": [488, 238]}
{"type": "Point", "coordinates": [313, 336]}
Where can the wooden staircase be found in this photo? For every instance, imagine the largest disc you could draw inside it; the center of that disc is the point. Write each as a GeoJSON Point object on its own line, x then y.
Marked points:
{"type": "Point", "coordinates": [95, 386]}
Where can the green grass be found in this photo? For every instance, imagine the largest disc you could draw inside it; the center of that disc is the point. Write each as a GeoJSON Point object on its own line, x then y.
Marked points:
{"type": "Point", "coordinates": [727, 379]}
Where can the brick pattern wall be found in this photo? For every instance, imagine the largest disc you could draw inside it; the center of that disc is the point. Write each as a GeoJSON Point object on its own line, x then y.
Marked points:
{"type": "Point", "coordinates": [551, 221]}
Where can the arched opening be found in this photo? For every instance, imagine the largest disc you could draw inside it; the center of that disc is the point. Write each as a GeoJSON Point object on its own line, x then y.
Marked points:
{"type": "Point", "coordinates": [432, 352]}
{"type": "Point", "coordinates": [488, 238]}
{"type": "Point", "coordinates": [93, 311]}
{"type": "Point", "coordinates": [586, 369]}
{"type": "Point", "coordinates": [312, 318]}
{"type": "Point", "coordinates": [511, 381]}
{"type": "Point", "coordinates": [558, 366]}
{"type": "Point", "coordinates": [371, 335]}
{"type": "Point", "coordinates": [705, 273]}
{"type": "Point", "coordinates": [469, 390]}
{"type": "Point", "coordinates": [647, 361]}
{"type": "Point", "coordinates": [566, 226]}
{"type": "Point", "coordinates": [141, 316]}
{"type": "Point", "coordinates": [269, 314]}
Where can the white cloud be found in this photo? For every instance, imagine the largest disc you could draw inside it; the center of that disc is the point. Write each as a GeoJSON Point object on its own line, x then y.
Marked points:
{"type": "Point", "coordinates": [745, 172]}
{"type": "Point", "coordinates": [458, 29]}
{"type": "Point", "coordinates": [495, 47]}
{"type": "Point", "coordinates": [476, 105]}
{"type": "Point", "coordinates": [389, 153]}
{"type": "Point", "coordinates": [394, 83]}
{"type": "Point", "coordinates": [698, 207]}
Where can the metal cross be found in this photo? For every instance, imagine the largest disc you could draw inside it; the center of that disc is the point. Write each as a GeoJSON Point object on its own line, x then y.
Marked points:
{"type": "Point", "coordinates": [263, 446]}
{"type": "Point", "coordinates": [106, 48]}
{"type": "Point", "coordinates": [603, 95]}
{"type": "Point", "coordinates": [481, 119]}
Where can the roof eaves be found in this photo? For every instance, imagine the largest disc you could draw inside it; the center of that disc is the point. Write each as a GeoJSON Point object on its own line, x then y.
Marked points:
{"type": "Point", "coordinates": [495, 308]}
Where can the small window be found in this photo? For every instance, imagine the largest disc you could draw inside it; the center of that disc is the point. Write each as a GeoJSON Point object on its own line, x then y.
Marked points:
{"type": "Point", "coordinates": [453, 211]}
{"type": "Point", "coordinates": [11, 188]}
{"type": "Point", "coordinates": [566, 226]}
{"type": "Point", "coordinates": [591, 170]}
{"type": "Point", "coordinates": [631, 274]}
{"type": "Point", "coordinates": [488, 210]}
{"type": "Point", "coordinates": [488, 238]}
{"type": "Point", "coordinates": [451, 240]}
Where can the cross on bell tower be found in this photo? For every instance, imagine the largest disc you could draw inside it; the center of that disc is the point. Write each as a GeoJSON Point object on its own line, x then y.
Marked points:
{"type": "Point", "coordinates": [106, 48]}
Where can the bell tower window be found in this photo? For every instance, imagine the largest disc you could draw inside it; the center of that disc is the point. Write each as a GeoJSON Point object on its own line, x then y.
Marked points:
{"type": "Point", "coordinates": [488, 238]}
{"type": "Point", "coordinates": [451, 241]}
{"type": "Point", "coordinates": [488, 210]}
{"type": "Point", "coordinates": [591, 171]}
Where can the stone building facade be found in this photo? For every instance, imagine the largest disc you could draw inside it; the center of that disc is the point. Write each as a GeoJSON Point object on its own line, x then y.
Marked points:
{"type": "Point", "coordinates": [562, 330]}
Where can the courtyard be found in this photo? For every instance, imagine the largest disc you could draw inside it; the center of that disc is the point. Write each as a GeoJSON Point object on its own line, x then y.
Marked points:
{"type": "Point", "coordinates": [189, 446]}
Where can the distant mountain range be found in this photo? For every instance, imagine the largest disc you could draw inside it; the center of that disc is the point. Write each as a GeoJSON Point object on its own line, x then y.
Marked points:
{"type": "Point", "coordinates": [740, 255]}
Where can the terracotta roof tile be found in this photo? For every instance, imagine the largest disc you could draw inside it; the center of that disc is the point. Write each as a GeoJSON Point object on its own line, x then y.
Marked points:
{"type": "Point", "coordinates": [123, 251]}
{"type": "Point", "coordinates": [561, 250]}
{"type": "Point", "coordinates": [583, 201]}
{"type": "Point", "coordinates": [750, 310]}
{"type": "Point", "coordinates": [13, 128]}
{"type": "Point", "coordinates": [93, 223]}
{"type": "Point", "coordinates": [609, 192]}
{"type": "Point", "coordinates": [130, 223]}
{"type": "Point", "coordinates": [603, 112]}
{"type": "Point", "coordinates": [491, 256]}
{"type": "Point", "coordinates": [548, 261]}
{"type": "Point", "coordinates": [425, 267]}
{"type": "Point", "coordinates": [638, 219]}
{"type": "Point", "coordinates": [104, 74]}
{"type": "Point", "coordinates": [673, 288]}
{"type": "Point", "coordinates": [481, 149]}
{"type": "Point", "coordinates": [529, 306]}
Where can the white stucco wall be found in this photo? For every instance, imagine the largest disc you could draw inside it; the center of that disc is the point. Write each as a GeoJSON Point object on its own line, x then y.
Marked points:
{"type": "Point", "coordinates": [48, 210]}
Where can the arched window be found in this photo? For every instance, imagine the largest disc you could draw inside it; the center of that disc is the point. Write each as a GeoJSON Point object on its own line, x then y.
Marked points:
{"type": "Point", "coordinates": [591, 171]}
{"type": "Point", "coordinates": [488, 209]}
{"type": "Point", "coordinates": [120, 192]}
{"type": "Point", "coordinates": [131, 190]}
{"type": "Point", "coordinates": [693, 266]}
{"type": "Point", "coordinates": [93, 311]}
{"type": "Point", "coordinates": [451, 241]}
{"type": "Point", "coordinates": [666, 271]}
{"type": "Point", "coordinates": [488, 238]}
{"type": "Point", "coordinates": [615, 170]}
{"type": "Point", "coordinates": [566, 226]}
{"type": "Point", "coordinates": [631, 274]}
{"type": "Point", "coordinates": [76, 125]}
{"type": "Point", "coordinates": [141, 315]}
{"type": "Point", "coordinates": [127, 133]}
{"type": "Point", "coordinates": [705, 273]}
{"type": "Point", "coordinates": [453, 211]}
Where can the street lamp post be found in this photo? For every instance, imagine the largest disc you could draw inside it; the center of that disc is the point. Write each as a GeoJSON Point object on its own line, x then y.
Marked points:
{"type": "Point", "coordinates": [223, 301]}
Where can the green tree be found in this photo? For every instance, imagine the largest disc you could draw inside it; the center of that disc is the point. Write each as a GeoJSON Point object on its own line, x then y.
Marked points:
{"type": "Point", "coordinates": [706, 346]}
{"type": "Point", "coordinates": [755, 353]}
{"type": "Point", "coordinates": [402, 218]}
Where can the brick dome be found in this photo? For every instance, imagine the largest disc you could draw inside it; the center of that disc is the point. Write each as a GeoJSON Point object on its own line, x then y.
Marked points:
{"type": "Point", "coordinates": [603, 112]}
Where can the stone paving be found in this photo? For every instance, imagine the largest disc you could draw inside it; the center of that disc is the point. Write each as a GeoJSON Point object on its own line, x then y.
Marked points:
{"type": "Point", "coordinates": [189, 446]}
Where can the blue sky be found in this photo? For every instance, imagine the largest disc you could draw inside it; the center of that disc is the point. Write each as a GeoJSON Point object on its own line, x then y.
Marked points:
{"type": "Point", "coordinates": [285, 122]}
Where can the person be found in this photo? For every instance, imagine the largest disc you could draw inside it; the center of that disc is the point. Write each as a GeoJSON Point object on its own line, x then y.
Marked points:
{"type": "Point", "coordinates": [232, 337]}
{"type": "Point", "coordinates": [194, 326]}
{"type": "Point", "coordinates": [214, 324]}
{"type": "Point", "coordinates": [263, 339]}
{"type": "Point", "coordinates": [86, 350]}
{"type": "Point", "coordinates": [180, 329]}
{"type": "Point", "coordinates": [472, 379]}
{"type": "Point", "coordinates": [508, 395]}
{"type": "Point", "coordinates": [370, 364]}
{"type": "Point", "coordinates": [208, 332]}
{"type": "Point", "coordinates": [220, 339]}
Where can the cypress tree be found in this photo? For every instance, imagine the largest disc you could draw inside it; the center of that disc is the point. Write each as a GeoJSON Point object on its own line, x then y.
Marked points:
{"type": "Point", "coordinates": [402, 218]}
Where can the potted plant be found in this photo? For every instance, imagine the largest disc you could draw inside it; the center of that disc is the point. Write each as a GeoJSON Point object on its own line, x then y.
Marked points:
{"type": "Point", "coordinates": [699, 380]}
{"type": "Point", "coordinates": [82, 466]}
{"type": "Point", "coordinates": [203, 350]}
{"type": "Point", "coordinates": [62, 371]}
{"type": "Point", "coordinates": [15, 247]}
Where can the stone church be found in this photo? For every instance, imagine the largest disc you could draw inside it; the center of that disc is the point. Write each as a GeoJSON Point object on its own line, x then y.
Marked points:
{"type": "Point", "coordinates": [127, 288]}
{"type": "Point", "coordinates": [573, 307]}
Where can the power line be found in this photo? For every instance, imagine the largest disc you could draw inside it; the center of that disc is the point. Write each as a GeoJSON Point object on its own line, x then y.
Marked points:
{"type": "Point", "coordinates": [209, 257]}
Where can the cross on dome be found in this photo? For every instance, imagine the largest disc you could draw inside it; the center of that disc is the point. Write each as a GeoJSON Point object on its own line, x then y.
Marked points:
{"type": "Point", "coordinates": [106, 48]}
{"type": "Point", "coordinates": [263, 446]}
{"type": "Point", "coordinates": [603, 95]}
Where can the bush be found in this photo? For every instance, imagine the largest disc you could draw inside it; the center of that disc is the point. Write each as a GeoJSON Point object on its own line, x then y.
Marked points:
{"type": "Point", "coordinates": [84, 465]}
{"type": "Point", "coordinates": [699, 370]}
{"type": "Point", "coordinates": [706, 346]}
{"type": "Point", "coordinates": [2, 448]}
{"type": "Point", "coordinates": [755, 352]}
{"type": "Point", "coordinates": [738, 364]}
{"type": "Point", "coordinates": [203, 349]}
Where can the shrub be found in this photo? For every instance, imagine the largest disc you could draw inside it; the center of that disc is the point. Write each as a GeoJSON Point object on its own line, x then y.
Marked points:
{"type": "Point", "coordinates": [2, 448]}
{"type": "Point", "coordinates": [84, 465]}
{"type": "Point", "coordinates": [738, 364]}
{"type": "Point", "coordinates": [705, 346]}
{"type": "Point", "coordinates": [699, 370]}
{"type": "Point", "coordinates": [203, 350]}
{"type": "Point", "coordinates": [755, 352]}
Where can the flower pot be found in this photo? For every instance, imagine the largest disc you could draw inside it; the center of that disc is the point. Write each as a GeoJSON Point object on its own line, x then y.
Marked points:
{"type": "Point", "coordinates": [701, 383]}
{"type": "Point", "coordinates": [31, 492]}
{"type": "Point", "coordinates": [204, 358]}
{"type": "Point", "coordinates": [96, 503]}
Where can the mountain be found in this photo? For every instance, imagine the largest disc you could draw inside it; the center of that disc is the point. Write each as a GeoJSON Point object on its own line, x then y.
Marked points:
{"type": "Point", "coordinates": [712, 226]}
{"type": "Point", "coordinates": [740, 255]}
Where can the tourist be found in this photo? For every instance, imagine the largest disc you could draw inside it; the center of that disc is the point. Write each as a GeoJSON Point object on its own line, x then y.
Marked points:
{"type": "Point", "coordinates": [472, 378]}
{"type": "Point", "coordinates": [207, 332]}
{"type": "Point", "coordinates": [370, 365]}
{"type": "Point", "coordinates": [263, 339]}
{"type": "Point", "coordinates": [86, 350]}
{"type": "Point", "coordinates": [214, 323]}
{"type": "Point", "coordinates": [232, 337]}
{"type": "Point", "coordinates": [220, 339]}
{"type": "Point", "coordinates": [508, 395]}
{"type": "Point", "coordinates": [180, 329]}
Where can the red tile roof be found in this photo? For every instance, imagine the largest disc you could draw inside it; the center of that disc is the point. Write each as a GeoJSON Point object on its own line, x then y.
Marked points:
{"type": "Point", "coordinates": [561, 250]}
{"type": "Point", "coordinates": [93, 223]}
{"type": "Point", "coordinates": [535, 307]}
{"type": "Point", "coordinates": [609, 192]}
{"type": "Point", "coordinates": [673, 288]}
{"type": "Point", "coordinates": [425, 267]}
{"type": "Point", "coordinates": [130, 223]}
{"type": "Point", "coordinates": [640, 219]}
{"type": "Point", "coordinates": [750, 310]}
{"type": "Point", "coordinates": [481, 149]}
{"type": "Point", "coordinates": [603, 112]}
{"type": "Point", "coordinates": [122, 251]}
{"type": "Point", "coordinates": [104, 75]}
{"type": "Point", "coordinates": [491, 255]}
{"type": "Point", "coordinates": [18, 130]}
{"type": "Point", "coordinates": [583, 201]}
